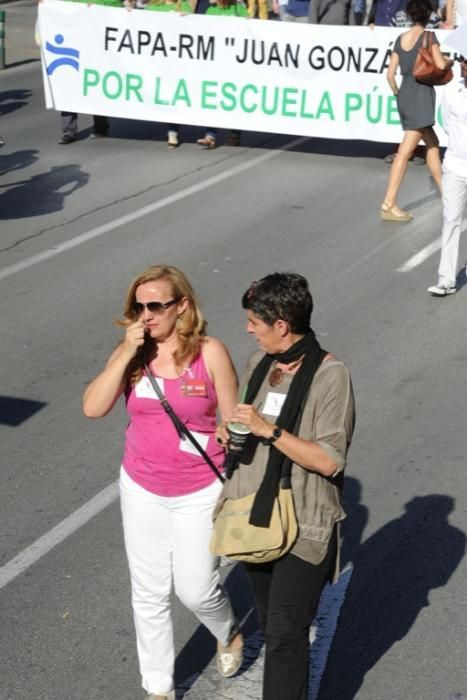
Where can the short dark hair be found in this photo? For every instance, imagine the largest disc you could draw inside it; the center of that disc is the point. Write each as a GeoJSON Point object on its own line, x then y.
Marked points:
{"type": "Point", "coordinates": [419, 11]}
{"type": "Point", "coordinates": [281, 295]}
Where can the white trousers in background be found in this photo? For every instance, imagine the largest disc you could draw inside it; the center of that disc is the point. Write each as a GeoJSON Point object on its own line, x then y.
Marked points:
{"type": "Point", "coordinates": [167, 542]}
{"type": "Point", "coordinates": [454, 198]}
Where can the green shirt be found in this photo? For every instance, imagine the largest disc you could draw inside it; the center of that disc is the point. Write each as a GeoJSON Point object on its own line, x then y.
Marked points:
{"type": "Point", "coordinates": [184, 7]}
{"type": "Point", "coordinates": [107, 3]}
{"type": "Point", "coordinates": [236, 10]}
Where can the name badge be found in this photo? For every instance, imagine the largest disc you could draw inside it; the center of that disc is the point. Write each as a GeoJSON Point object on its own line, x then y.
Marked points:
{"type": "Point", "coordinates": [144, 390]}
{"type": "Point", "coordinates": [187, 446]}
{"type": "Point", "coordinates": [273, 404]}
{"type": "Point", "coordinates": [195, 387]}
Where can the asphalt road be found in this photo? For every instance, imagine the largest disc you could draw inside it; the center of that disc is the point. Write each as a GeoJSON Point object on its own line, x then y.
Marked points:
{"type": "Point", "coordinates": [226, 217]}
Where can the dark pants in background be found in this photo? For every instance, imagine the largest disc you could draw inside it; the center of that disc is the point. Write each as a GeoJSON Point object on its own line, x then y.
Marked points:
{"type": "Point", "coordinates": [70, 124]}
{"type": "Point", "coordinates": [287, 594]}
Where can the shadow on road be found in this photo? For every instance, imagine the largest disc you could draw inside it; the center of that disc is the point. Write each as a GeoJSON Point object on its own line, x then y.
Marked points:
{"type": "Point", "coordinates": [42, 194]}
{"type": "Point", "coordinates": [461, 280]}
{"type": "Point", "coordinates": [11, 100]}
{"type": "Point", "coordinates": [15, 411]}
{"type": "Point", "coordinates": [394, 571]}
{"type": "Point", "coordinates": [16, 161]}
{"type": "Point", "coordinates": [355, 523]}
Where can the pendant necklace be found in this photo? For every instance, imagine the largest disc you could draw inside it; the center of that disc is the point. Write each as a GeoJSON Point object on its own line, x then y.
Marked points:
{"type": "Point", "coordinates": [277, 374]}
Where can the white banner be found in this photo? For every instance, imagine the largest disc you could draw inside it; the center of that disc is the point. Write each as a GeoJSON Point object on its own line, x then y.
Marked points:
{"type": "Point", "coordinates": [237, 73]}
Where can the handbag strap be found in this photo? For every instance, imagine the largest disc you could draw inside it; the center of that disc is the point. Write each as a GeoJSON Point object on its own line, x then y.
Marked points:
{"type": "Point", "coordinates": [427, 42]}
{"type": "Point", "coordinates": [180, 427]}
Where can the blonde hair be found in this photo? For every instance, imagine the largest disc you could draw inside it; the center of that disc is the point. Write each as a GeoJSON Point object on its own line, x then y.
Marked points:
{"type": "Point", "coordinates": [191, 325]}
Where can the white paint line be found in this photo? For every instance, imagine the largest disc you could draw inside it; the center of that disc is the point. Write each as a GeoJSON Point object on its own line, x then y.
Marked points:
{"type": "Point", "coordinates": [324, 628]}
{"type": "Point", "coordinates": [144, 211]}
{"type": "Point", "coordinates": [421, 256]}
{"type": "Point", "coordinates": [60, 532]}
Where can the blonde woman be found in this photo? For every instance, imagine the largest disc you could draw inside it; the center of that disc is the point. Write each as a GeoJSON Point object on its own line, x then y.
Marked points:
{"type": "Point", "coordinates": [167, 490]}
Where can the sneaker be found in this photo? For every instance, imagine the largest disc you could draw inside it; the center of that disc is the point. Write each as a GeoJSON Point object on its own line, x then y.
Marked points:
{"type": "Point", "coordinates": [67, 138]}
{"type": "Point", "coordinates": [164, 696]}
{"type": "Point", "coordinates": [418, 160]}
{"type": "Point", "coordinates": [390, 158]}
{"type": "Point", "coordinates": [2, 142]}
{"type": "Point", "coordinates": [441, 290]}
{"type": "Point", "coordinates": [172, 139]}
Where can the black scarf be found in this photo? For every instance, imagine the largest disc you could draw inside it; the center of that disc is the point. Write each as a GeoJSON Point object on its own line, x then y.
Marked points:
{"type": "Point", "coordinates": [289, 418]}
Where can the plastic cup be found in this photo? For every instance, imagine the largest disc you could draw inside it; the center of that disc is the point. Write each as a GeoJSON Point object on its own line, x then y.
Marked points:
{"type": "Point", "coordinates": [238, 435]}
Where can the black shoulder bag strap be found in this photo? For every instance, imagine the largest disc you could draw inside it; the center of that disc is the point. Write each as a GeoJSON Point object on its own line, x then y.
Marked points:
{"type": "Point", "coordinates": [180, 426]}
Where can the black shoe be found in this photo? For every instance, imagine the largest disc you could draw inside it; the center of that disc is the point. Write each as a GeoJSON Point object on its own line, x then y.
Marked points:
{"type": "Point", "coordinates": [67, 138]}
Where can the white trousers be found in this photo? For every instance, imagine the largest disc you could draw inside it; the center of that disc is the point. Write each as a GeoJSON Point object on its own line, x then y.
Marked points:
{"type": "Point", "coordinates": [454, 197]}
{"type": "Point", "coordinates": [167, 542]}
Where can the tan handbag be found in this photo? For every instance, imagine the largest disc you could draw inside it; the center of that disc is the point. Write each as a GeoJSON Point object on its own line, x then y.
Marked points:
{"type": "Point", "coordinates": [234, 537]}
{"type": "Point", "coordinates": [425, 69]}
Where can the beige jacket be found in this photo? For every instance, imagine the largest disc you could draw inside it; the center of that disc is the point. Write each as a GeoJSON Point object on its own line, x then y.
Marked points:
{"type": "Point", "coordinates": [328, 420]}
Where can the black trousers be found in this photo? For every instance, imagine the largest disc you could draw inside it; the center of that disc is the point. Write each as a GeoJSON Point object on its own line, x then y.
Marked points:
{"type": "Point", "coordinates": [70, 123]}
{"type": "Point", "coordinates": [287, 593]}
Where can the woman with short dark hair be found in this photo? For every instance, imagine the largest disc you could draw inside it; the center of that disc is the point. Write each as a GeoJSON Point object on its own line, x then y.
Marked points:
{"type": "Point", "coordinates": [299, 408]}
{"type": "Point", "coordinates": [416, 105]}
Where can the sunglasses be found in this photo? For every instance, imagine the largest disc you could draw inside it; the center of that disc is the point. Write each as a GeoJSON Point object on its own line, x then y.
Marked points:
{"type": "Point", "coordinates": [155, 307]}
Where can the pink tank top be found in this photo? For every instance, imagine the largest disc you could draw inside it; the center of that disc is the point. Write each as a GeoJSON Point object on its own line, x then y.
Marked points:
{"type": "Point", "coordinates": [153, 457]}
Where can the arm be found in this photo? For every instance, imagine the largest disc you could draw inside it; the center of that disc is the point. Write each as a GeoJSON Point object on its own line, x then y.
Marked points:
{"type": "Point", "coordinates": [333, 428]}
{"type": "Point", "coordinates": [440, 60]}
{"type": "Point", "coordinates": [222, 372]}
{"type": "Point", "coordinates": [391, 72]}
{"type": "Point", "coordinates": [304, 452]}
{"type": "Point", "coordinates": [102, 393]}
{"type": "Point", "coordinates": [450, 13]}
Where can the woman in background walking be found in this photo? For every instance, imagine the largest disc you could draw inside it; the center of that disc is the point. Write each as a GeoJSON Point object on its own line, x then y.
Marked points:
{"type": "Point", "coordinates": [416, 105]}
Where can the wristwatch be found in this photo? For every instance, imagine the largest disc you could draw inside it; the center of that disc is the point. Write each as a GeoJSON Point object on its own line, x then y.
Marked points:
{"type": "Point", "coordinates": [276, 433]}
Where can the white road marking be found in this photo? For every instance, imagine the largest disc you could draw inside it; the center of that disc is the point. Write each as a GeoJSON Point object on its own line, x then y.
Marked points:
{"type": "Point", "coordinates": [60, 532]}
{"type": "Point", "coordinates": [421, 256]}
{"type": "Point", "coordinates": [144, 211]}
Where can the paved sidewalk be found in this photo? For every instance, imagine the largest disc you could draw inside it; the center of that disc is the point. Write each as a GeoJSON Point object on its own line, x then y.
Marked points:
{"type": "Point", "coordinates": [20, 20]}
